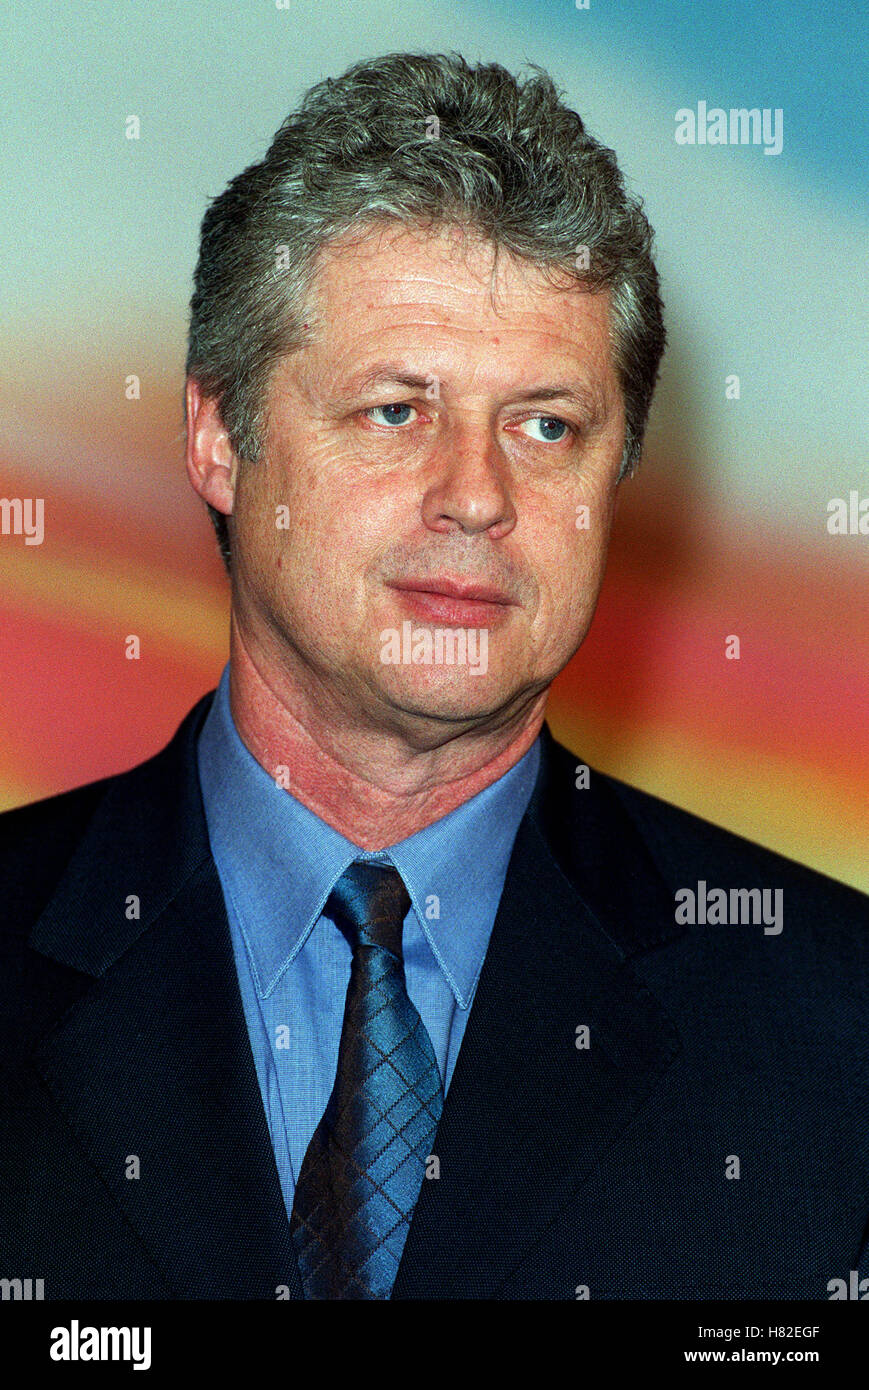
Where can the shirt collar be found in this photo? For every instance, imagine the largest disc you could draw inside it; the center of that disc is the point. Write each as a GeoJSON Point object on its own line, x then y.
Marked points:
{"type": "Point", "coordinates": [279, 861]}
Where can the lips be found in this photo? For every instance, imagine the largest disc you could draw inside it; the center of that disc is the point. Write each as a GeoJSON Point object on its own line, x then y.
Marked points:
{"type": "Point", "coordinates": [454, 588]}
{"type": "Point", "coordinates": [454, 602]}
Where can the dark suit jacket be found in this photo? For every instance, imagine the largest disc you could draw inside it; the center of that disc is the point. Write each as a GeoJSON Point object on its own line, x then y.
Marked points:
{"type": "Point", "coordinates": [561, 1168]}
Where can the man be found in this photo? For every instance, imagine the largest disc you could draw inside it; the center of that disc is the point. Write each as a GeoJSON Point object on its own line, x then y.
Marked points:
{"type": "Point", "coordinates": [361, 988]}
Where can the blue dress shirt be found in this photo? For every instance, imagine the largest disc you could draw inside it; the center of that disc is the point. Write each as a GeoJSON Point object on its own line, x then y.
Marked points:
{"type": "Point", "coordinates": [278, 862]}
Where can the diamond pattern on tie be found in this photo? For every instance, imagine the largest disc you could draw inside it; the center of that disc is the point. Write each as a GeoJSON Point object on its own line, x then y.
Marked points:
{"type": "Point", "coordinates": [363, 1169]}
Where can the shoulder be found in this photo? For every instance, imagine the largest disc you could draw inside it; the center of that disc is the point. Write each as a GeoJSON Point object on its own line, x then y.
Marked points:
{"type": "Point", "coordinates": [138, 807]}
{"type": "Point", "coordinates": [650, 859]}
{"type": "Point", "coordinates": [38, 840]}
{"type": "Point", "coordinates": [681, 842]}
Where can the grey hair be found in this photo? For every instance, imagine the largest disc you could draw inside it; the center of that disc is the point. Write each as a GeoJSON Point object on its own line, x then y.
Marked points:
{"type": "Point", "coordinates": [425, 140]}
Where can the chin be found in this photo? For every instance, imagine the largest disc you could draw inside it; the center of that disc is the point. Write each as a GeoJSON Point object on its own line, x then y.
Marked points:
{"type": "Point", "coordinates": [455, 696]}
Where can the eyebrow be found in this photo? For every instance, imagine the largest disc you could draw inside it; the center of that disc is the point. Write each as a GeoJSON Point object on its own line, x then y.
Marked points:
{"type": "Point", "coordinates": [388, 374]}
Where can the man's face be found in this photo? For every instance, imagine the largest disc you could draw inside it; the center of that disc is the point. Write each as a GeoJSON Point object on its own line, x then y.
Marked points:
{"type": "Point", "coordinates": [430, 440]}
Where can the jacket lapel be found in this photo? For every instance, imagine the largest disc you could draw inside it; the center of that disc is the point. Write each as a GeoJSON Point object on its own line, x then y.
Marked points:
{"type": "Point", "coordinates": [528, 1114]}
{"type": "Point", "coordinates": [153, 1058]}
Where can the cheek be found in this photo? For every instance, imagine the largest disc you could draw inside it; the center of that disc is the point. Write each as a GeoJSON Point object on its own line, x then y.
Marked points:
{"type": "Point", "coordinates": [289, 517]}
{"type": "Point", "coordinates": [569, 563]}
{"type": "Point", "coordinates": [335, 530]}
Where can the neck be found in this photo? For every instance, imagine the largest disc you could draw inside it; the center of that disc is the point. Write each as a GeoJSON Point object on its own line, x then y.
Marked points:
{"type": "Point", "coordinates": [369, 784]}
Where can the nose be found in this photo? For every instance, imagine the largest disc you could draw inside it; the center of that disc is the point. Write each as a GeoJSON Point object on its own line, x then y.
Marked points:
{"type": "Point", "coordinates": [468, 485]}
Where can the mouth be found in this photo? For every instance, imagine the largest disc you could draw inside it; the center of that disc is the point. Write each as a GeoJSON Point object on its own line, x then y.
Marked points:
{"type": "Point", "coordinates": [453, 602]}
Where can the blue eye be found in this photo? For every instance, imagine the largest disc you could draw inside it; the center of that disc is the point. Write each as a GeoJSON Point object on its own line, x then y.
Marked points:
{"type": "Point", "coordinates": [391, 412]}
{"type": "Point", "coordinates": [547, 423]}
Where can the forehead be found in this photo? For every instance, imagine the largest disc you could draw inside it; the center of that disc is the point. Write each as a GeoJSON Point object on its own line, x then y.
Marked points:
{"type": "Point", "coordinates": [449, 289]}
{"type": "Point", "coordinates": [404, 259]}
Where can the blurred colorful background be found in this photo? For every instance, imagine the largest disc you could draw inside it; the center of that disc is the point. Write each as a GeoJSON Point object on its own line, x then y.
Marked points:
{"type": "Point", "coordinates": [722, 533]}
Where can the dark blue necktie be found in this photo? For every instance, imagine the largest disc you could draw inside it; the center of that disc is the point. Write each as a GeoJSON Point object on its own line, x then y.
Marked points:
{"type": "Point", "coordinates": [363, 1169]}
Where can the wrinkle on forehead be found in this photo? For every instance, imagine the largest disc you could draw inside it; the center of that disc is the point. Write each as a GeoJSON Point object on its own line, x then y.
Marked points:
{"type": "Point", "coordinates": [483, 258]}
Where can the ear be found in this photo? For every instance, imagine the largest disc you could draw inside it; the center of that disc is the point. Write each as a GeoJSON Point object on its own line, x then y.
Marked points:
{"type": "Point", "coordinates": [212, 464]}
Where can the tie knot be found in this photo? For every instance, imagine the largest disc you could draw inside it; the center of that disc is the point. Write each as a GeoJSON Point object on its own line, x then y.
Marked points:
{"type": "Point", "coordinates": [369, 903]}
